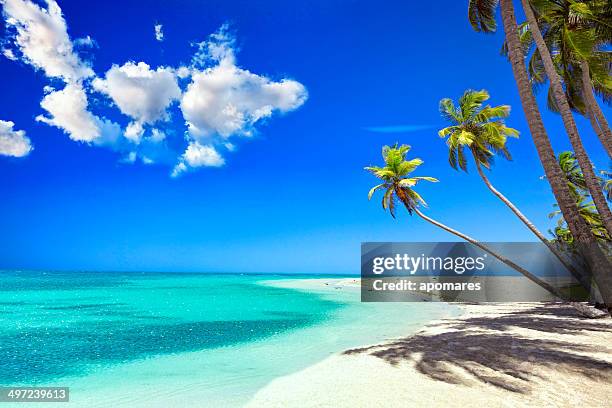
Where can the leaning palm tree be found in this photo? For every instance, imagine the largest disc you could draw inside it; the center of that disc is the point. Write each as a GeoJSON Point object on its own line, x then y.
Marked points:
{"type": "Point", "coordinates": [577, 35]}
{"type": "Point", "coordinates": [481, 132]}
{"type": "Point", "coordinates": [563, 105]}
{"type": "Point", "coordinates": [399, 185]}
{"type": "Point", "coordinates": [481, 14]}
{"type": "Point", "coordinates": [583, 67]}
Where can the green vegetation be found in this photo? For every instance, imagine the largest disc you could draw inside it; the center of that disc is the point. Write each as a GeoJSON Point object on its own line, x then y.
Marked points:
{"type": "Point", "coordinates": [568, 44]}
{"type": "Point", "coordinates": [479, 129]}
{"type": "Point", "coordinates": [561, 102]}
{"type": "Point", "coordinates": [395, 181]}
{"type": "Point", "coordinates": [576, 33]}
{"type": "Point", "coordinates": [482, 131]}
{"type": "Point", "coordinates": [577, 185]}
{"type": "Point", "coordinates": [398, 185]}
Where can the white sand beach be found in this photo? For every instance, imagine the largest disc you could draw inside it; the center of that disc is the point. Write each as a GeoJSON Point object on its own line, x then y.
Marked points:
{"type": "Point", "coordinates": [493, 355]}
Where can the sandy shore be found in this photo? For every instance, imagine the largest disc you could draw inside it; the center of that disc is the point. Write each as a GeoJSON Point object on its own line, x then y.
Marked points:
{"type": "Point", "coordinates": [493, 355]}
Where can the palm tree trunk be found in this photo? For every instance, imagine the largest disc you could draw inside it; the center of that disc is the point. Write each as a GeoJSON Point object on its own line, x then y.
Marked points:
{"type": "Point", "coordinates": [503, 259]}
{"type": "Point", "coordinates": [592, 181]}
{"type": "Point", "coordinates": [583, 236]}
{"type": "Point", "coordinates": [593, 110]}
{"type": "Point", "coordinates": [553, 171]}
{"type": "Point", "coordinates": [580, 277]}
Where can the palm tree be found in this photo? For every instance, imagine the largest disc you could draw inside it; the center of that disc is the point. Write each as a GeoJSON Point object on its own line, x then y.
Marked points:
{"type": "Point", "coordinates": [577, 185]}
{"type": "Point", "coordinates": [481, 14]}
{"type": "Point", "coordinates": [575, 33]}
{"type": "Point", "coordinates": [578, 33]}
{"type": "Point", "coordinates": [575, 178]}
{"type": "Point", "coordinates": [568, 119]}
{"type": "Point", "coordinates": [482, 131]}
{"type": "Point", "coordinates": [399, 186]}
{"type": "Point", "coordinates": [591, 216]}
{"type": "Point", "coordinates": [572, 172]}
{"type": "Point", "coordinates": [593, 110]}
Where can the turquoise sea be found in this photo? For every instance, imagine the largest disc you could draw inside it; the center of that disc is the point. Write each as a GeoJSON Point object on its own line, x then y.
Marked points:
{"type": "Point", "coordinates": [170, 339]}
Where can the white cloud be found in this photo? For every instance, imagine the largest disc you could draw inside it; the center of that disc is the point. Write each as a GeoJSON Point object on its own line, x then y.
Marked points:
{"type": "Point", "coordinates": [13, 142]}
{"type": "Point", "coordinates": [198, 155]}
{"type": "Point", "coordinates": [221, 100]}
{"type": "Point", "coordinates": [8, 53]}
{"type": "Point", "coordinates": [141, 93]}
{"type": "Point", "coordinates": [179, 169]}
{"type": "Point", "coordinates": [159, 33]}
{"type": "Point", "coordinates": [42, 38]}
{"type": "Point", "coordinates": [220, 46]}
{"type": "Point", "coordinates": [183, 72]}
{"type": "Point", "coordinates": [226, 100]}
{"type": "Point", "coordinates": [86, 41]}
{"type": "Point", "coordinates": [130, 158]}
{"type": "Point", "coordinates": [157, 135]}
{"type": "Point", "coordinates": [67, 110]}
{"type": "Point", "coordinates": [134, 131]}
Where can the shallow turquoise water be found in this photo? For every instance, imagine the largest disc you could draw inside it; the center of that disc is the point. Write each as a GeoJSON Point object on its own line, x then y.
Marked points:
{"type": "Point", "coordinates": [125, 339]}
{"type": "Point", "coordinates": [58, 324]}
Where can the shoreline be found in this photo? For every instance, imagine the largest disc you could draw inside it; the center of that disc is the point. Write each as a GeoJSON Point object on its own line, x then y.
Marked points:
{"type": "Point", "coordinates": [495, 355]}
{"type": "Point", "coordinates": [231, 375]}
{"type": "Point", "coordinates": [332, 288]}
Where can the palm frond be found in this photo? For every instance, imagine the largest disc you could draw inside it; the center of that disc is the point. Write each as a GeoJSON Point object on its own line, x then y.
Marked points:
{"type": "Point", "coordinates": [386, 197]}
{"type": "Point", "coordinates": [408, 166]}
{"type": "Point", "coordinates": [471, 101]}
{"type": "Point", "coordinates": [462, 161]}
{"type": "Point", "coordinates": [465, 138]}
{"type": "Point", "coordinates": [373, 190]}
{"type": "Point", "coordinates": [391, 203]}
{"type": "Point", "coordinates": [481, 14]}
{"type": "Point", "coordinates": [574, 31]}
{"type": "Point", "coordinates": [431, 179]}
{"type": "Point", "coordinates": [525, 39]}
{"type": "Point", "coordinates": [452, 157]}
{"type": "Point", "coordinates": [481, 129]}
{"type": "Point", "coordinates": [416, 198]}
{"type": "Point", "coordinates": [397, 184]}
{"type": "Point", "coordinates": [447, 131]}
{"type": "Point", "coordinates": [449, 112]}
{"type": "Point", "coordinates": [489, 113]}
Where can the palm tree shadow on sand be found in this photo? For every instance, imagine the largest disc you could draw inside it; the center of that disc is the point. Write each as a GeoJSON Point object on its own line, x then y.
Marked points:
{"type": "Point", "coordinates": [486, 349]}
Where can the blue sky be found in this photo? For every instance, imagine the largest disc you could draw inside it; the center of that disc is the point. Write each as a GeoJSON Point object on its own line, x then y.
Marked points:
{"type": "Point", "coordinates": [336, 80]}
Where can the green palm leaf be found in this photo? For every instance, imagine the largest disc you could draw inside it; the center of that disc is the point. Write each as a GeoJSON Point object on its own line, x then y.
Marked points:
{"type": "Point", "coordinates": [574, 31]}
{"type": "Point", "coordinates": [481, 14]}
{"type": "Point", "coordinates": [373, 190]}
{"type": "Point", "coordinates": [478, 129]}
{"type": "Point", "coordinates": [397, 184]}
